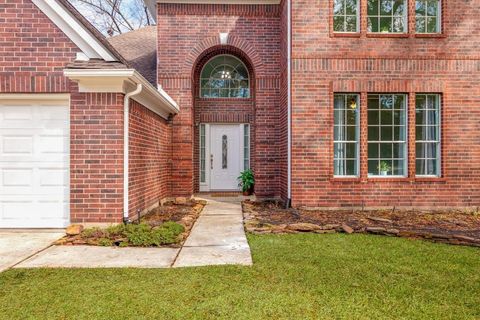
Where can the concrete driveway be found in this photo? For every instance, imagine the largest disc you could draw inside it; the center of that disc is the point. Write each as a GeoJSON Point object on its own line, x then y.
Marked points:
{"type": "Point", "coordinates": [18, 245]}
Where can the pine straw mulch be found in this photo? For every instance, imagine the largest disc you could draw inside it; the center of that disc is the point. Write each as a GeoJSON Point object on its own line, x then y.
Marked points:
{"type": "Point", "coordinates": [448, 226]}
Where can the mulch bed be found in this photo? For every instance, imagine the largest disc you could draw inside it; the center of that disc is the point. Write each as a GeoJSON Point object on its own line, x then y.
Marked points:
{"type": "Point", "coordinates": [454, 227]}
{"type": "Point", "coordinates": [181, 211]}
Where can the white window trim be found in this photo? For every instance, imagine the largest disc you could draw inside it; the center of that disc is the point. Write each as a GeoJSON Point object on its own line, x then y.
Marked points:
{"type": "Point", "coordinates": [439, 142]}
{"type": "Point", "coordinates": [358, 142]}
{"type": "Point", "coordinates": [345, 15]}
{"type": "Point", "coordinates": [439, 19]}
{"type": "Point", "coordinates": [406, 150]}
{"type": "Point", "coordinates": [233, 98]}
{"type": "Point", "coordinates": [405, 21]}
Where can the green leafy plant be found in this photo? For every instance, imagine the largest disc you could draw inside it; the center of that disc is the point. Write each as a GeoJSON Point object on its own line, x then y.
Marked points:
{"type": "Point", "coordinates": [384, 166]}
{"type": "Point", "coordinates": [105, 242]}
{"type": "Point", "coordinates": [246, 180]}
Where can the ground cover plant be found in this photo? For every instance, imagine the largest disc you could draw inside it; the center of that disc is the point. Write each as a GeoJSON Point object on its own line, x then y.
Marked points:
{"type": "Point", "coordinates": [294, 276]}
{"type": "Point", "coordinates": [167, 225]}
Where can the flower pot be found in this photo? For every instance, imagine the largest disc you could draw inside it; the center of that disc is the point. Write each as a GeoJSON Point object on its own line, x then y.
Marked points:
{"type": "Point", "coordinates": [248, 192]}
{"type": "Point", "coordinates": [384, 173]}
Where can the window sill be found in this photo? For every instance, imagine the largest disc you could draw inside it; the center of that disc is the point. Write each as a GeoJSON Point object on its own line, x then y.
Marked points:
{"type": "Point", "coordinates": [430, 179]}
{"type": "Point", "coordinates": [430, 35]}
{"type": "Point", "coordinates": [346, 35]}
{"type": "Point", "coordinates": [345, 179]}
{"type": "Point", "coordinates": [224, 99]}
{"type": "Point", "coordinates": [387, 35]}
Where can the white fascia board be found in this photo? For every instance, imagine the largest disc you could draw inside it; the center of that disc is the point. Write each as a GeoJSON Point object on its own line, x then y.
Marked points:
{"type": "Point", "coordinates": [74, 30]}
{"type": "Point", "coordinates": [152, 8]}
{"type": "Point", "coordinates": [124, 80]}
{"type": "Point", "coordinates": [222, 1]}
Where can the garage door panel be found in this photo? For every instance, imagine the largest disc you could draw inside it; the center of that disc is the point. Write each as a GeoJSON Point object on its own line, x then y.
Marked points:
{"type": "Point", "coordinates": [34, 165]}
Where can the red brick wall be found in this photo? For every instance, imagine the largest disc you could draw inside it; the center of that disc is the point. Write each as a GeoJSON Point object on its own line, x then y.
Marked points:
{"type": "Point", "coordinates": [33, 54]}
{"type": "Point", "coordinates": [33, 51]}
{"type": "Point", "coordinates": [149, 163]}
{"type": "Point", "coordinates": [324, 64]}
{"type": "Point", "coordinates": [96, 157]}
{"type": "Point", "coordinates": [254, 34]}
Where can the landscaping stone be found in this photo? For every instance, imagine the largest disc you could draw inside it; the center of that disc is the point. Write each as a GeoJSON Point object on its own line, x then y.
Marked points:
{"type": "Point", "coordinates": [380, 219]}
{"type": "Point", "coordinates": [303, 227]}
{"type": "Point", "coordinates": [74, 229]}
{"type": "Point", "coordinates": [347, 229]}
{"type": "Point", "coordinates": [375, 229]}
{"type": "Point", "coordinates": [180, 200]}
{"type": "Point", "coordinates": [453, 227]}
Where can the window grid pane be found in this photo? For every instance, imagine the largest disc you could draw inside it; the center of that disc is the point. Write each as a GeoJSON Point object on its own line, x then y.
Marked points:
{"type": "Point", "coordinates": [202, 154]}
{"type": "Point", "coordinates": [345, 15]}
{"type": "Point", "coordinates": [428, 16]}
{"type": "Point", "coordinates": [387, 134]}
{"type": "Point", "coordinates": [224, 77]}
{"type": "Point", "coordinates": [388, 16]}
{"type": "Point", "coordinates": [427, 109]}
{"type": "Point", "coordinates": [246, 147]}
{"type": "Point", "coordinates": [346, 135]}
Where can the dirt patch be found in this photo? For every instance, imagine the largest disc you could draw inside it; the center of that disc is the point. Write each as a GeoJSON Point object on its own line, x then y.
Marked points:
{"type": "Point", "coordinates": [456, 227]}
{"type": "Point", "coordinates": [167, 226]}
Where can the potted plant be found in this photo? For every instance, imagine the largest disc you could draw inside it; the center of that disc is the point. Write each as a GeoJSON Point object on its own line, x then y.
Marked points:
{"type": "Point", "coordinates": [246, 182]}
{"type": "Point", "coordinates": [384, 168]}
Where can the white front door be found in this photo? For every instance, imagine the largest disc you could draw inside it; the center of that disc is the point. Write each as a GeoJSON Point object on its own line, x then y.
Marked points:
{"type": "Point", "coordinates": [226, 156]}
{"type": "Point", "coordinates": [34, 163]}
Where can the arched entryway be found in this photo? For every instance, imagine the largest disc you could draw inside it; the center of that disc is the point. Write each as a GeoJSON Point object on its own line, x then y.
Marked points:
{"type": "Point", "coordinates": [224, 109]}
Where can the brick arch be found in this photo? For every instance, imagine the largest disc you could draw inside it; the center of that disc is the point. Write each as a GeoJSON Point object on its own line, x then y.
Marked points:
{"type": "Point", "coordinates": [235, 45]}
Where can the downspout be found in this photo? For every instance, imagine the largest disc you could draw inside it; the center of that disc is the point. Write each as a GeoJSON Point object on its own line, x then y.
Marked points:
{"type": "Point", "coordinates": [289, 103]}
{"type": "Point", "coordinates": [126, 127]}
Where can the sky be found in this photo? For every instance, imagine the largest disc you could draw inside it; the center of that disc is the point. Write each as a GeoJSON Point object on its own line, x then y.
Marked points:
{"type": "Point", "coordinates": [132, 9]}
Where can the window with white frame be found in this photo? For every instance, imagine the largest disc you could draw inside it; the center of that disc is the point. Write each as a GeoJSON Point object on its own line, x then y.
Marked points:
{"type": "Point", "coordinates": [387, 134]}
{"type": "Point", "coordinates": [428, 16]}
{"type": "Point", "coordinates": [224, 76]}
{"type": "Point", "coordinates": [246, 146]}
{"type": "Point", "coordinates": [387, 16]}
{"type": "Point", "coordinates": [346, 15]}
{"type": "Point", "coordinates": [346, 134]}
{"type": "Point", "coordinates": [427, 118]}
{"type": "Point", "coordinates": [202, 154]}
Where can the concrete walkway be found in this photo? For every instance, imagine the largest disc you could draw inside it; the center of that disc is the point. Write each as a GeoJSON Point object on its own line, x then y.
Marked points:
{"type": "Point", "coordinates": [18, 245]}
{"type": "Point", "coordinates": [101, 257]}
{"type": "Point", "coordinates": [218, 236]}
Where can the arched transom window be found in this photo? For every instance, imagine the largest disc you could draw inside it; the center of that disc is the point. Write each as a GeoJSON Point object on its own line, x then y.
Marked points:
{"type": "Point", "coordinates": [224, 76]}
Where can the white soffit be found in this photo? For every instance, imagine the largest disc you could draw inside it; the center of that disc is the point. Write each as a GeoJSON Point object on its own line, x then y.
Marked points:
{"type": "Point", "coordinates": [124, 80]}
{"type": "Point", "coordinates": [74, 30]}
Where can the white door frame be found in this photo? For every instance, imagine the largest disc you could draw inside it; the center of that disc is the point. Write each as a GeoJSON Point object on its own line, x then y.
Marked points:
{"type": "Point", "coordinates": [205, 185]}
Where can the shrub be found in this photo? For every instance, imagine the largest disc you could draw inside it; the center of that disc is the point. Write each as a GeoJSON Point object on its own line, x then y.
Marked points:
{"type": "Point", "coordinates": [105, 242]}
{"type": "Point", "coordinates": [92, 233]}
{"type": "Point", "coordinates": [167, 233]}
{"type": "Point", "coordinates": [116, 230]}
{"type": "Point", "coordinates": [138, 234]}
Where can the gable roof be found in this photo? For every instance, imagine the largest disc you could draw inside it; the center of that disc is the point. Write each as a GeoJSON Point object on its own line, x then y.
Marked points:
{"type": "Point", "coordinates": [102, 68]}
{"type": "Point", "coordinates": [139, 48]}
{"type": "Point", "coordinates": [94, 31]}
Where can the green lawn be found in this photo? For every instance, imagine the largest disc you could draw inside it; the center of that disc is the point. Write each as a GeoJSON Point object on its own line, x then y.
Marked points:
{"type": "Point", "coordinates": [305, 276]}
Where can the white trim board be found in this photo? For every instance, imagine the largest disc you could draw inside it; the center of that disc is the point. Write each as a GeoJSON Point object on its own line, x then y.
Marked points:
{"type": "Point", "coordinates": [74, 30]}
{"type": "Point", "coordinates": [124, 80]}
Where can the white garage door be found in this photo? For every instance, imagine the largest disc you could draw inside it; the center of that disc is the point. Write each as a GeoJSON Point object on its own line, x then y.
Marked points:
{"type": "Point", "coordinates": [34, 163]}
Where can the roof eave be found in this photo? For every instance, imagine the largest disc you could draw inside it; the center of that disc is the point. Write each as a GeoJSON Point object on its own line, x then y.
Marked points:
{"type": "Point", "coordinates": [124, 80]}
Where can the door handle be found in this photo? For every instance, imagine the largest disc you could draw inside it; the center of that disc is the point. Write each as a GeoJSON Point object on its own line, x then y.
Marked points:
{"type": "Point", "coordinates": [211, 161]}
